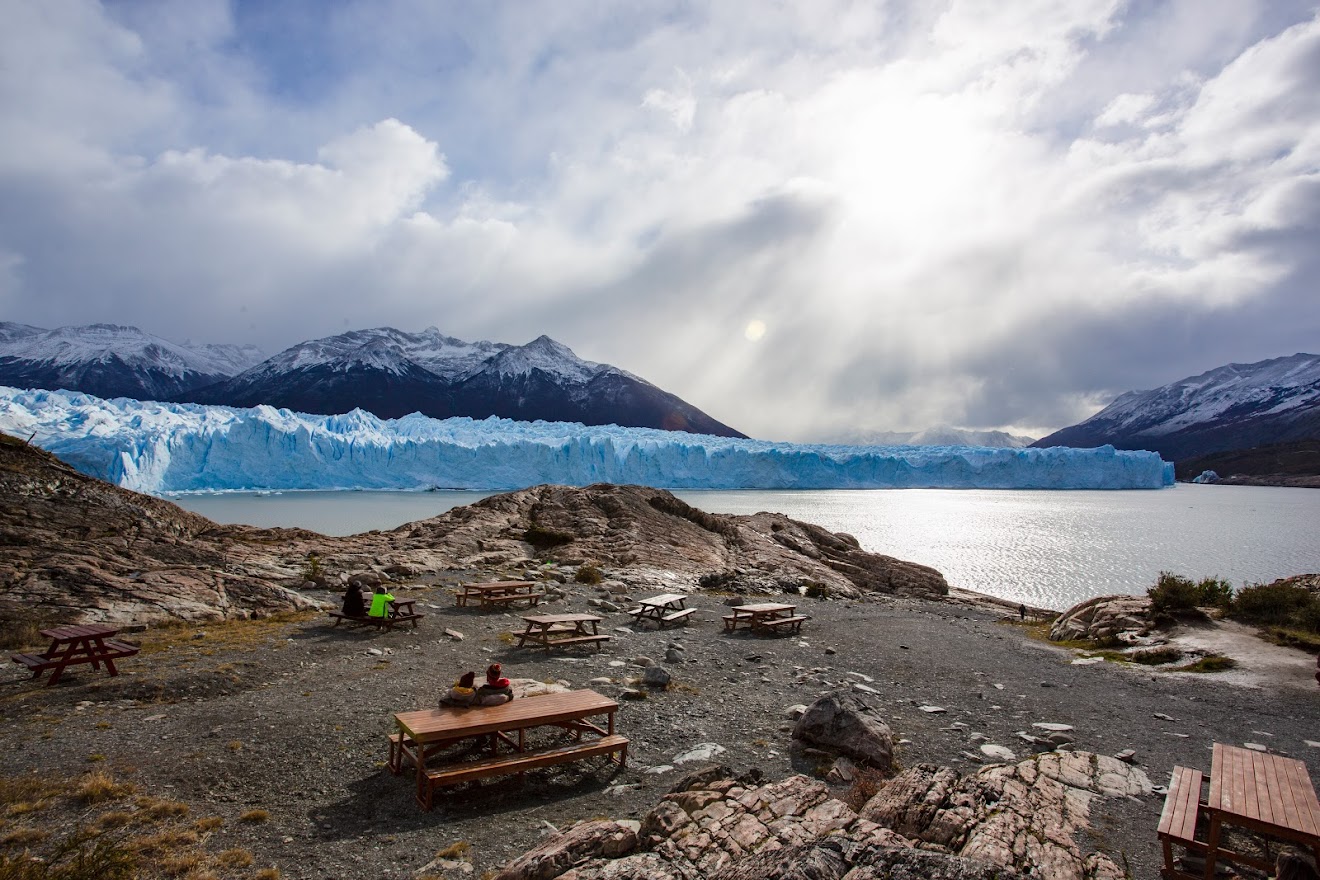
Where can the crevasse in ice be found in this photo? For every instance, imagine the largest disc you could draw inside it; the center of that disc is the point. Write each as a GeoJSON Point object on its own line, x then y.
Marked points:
{"type": "Point", "coordinates": [165, 447]}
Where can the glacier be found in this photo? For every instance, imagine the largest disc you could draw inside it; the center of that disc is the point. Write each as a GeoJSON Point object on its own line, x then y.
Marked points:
{"type": "Point", "coordinates": [163, 448]}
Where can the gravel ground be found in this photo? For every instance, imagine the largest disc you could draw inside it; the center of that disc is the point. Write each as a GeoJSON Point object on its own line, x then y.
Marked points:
{"type": "Point", "coordinates": [294, 721]}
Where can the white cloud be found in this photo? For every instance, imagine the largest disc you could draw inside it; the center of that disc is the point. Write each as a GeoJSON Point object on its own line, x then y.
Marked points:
{"type": "Point", "coordinates": [923, 206]}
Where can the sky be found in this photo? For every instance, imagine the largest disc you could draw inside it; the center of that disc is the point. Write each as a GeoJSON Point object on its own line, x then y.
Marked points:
{"type": "Point", "coordinates": [813, 220]}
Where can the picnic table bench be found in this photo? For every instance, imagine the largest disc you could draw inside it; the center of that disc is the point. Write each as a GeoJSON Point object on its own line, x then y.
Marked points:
{"type": "Point", "coordinates": [423, 735]}
{"type": "Point", "coordinates": [499, 593]}
{"type": "Point", "coordinates": [75, 644]}
{"type": "Point", "coordinates": [556, 630]}
{"type": "Point", "coordinates": [400, 611]}
{"type": "Point", "coordinates": [1263, 793]}
{"type": "Point", "coordinates": [765, 617]}
{"type": "Point", "coordinates": [663, 609]}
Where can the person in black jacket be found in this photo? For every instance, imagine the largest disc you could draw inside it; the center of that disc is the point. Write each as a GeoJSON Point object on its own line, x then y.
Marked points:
{"type": "Point", "coordinates": [353, 604]}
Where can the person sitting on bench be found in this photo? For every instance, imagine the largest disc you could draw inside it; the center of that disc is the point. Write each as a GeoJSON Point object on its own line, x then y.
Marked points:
{"type": "Point", "coordinates": [380, 601]}
{"type": "Point", "coordinates": [462, 692]}
{"type": "Point", "coordinates": [496, 690]}
{"type": "Point", "coordinates": [353, 604]}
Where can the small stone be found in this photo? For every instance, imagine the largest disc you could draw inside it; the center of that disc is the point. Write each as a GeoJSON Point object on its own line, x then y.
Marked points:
{"type": "Point", "coordinates": [1255, 747]}
{"type": "Point", "coordinates": [796, 711]}
{"type": "Point", "coordinates": [1128, 756]}
{"type": "Point", "coordinates": [1163, 717]}
{"type": "Point", "coordinates": [863, 688]}
{"type": "Point", "coordinates": [656, 676]}
{"type": "Point", "coordinates": [830, 651]}
{"type": "Point", "coordinates": [454, 634]}
{"type": "Point", "coordinates": [700, 752]}
{"type": "Point", "coordinates": [643, 661]}
{"type": "Point", "coordinates": [999, 687]}
{"type": "Point", "coordinates": [662, 768]}
{"type": "Point", "coordinates": [1047, 684]}
{"type": "Point", "coordinates": [1312, 743]}
{"type": "Point", "coordinates": [617, 663]}
{"type": "Point", "coordinates": [933, 710]}
{"type": "Point", "coordinates": [374, 652]}
{"type": "Point", "coordinates": [998, 753]}
{"type": "Point", "coordinates": [1052, 727]}
{"type": "Point", "coordinates": [600, 680]}
{"type": "Point", "coordinates": [632, 694]}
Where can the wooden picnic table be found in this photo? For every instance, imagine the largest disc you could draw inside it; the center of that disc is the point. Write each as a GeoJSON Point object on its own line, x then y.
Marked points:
{"type": "Point", "coordinates": [663, 609]}
{"type": "Point", "coordinates": [499, 593]}
{"type": "Point", "coordinates": [423, 735]}
{"type": "Point", "coordinates": [555, 630]}
{"type": "Point", "coordinates": [399, 611]}
{"type": "Point", "coordinates": [764, 617]}
{"type": "Point", "coordinates": [74, 644]}
{"type": "Point", "coordinates": [1266, 793]}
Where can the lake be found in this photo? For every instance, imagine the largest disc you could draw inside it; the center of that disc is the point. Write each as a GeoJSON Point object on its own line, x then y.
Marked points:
{"type": "Point", "coordinates": [1045, 548]}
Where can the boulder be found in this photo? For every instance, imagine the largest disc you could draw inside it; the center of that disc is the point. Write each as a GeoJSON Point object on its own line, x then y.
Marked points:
{"type": "Point", "coordinates": [585, 840]}
{"type": "Point", "coordinates": [843, 723]}
{"type": "Point", "coordinates": [1103, 618]}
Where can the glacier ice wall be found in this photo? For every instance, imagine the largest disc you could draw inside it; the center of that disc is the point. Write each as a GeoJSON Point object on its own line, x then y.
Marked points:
{"type": "Point", "coordinates": [161, 448]}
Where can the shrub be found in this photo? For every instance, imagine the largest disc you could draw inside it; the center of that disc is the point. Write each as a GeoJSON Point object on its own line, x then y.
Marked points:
{"type": "Point", "coordinates": [313, 571]}
{"type": "Point", "coordinates": [816, 590]}
{"type": "Point", "coordinates": [1209, 663]}
{"type": "Point", "coordinates": [254, 816]}
{"type": "Point", "coordinates": [1173, 593]}
{"type": "Point", "coordinates": [1278, 605]}
{"type": "Point", "coordinates": [588, 573]}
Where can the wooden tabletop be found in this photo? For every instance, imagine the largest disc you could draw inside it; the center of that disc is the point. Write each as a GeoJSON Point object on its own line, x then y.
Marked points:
{"type": "Point", "coordinates": [552, 619]}
{"type": "Point", "coordinates": [75, 632]}
{"type": "Point", "coordinates": [763, 608]}
{"type": "Point", "coordinates": [1263, 789]}
{"type": "Point", "coordinates": [453, 722]}
{"type": "Point", "coordinates": [663, 599]}
{"type": "Point", "coordinates": [497, 586]}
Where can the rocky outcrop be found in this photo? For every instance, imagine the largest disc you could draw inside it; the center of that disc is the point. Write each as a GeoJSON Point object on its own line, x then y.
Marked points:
{"type": "Point", "coordinates": [77, 548]}
{"type": "Point", "coordinates": [1005, 821]}
{"type": "Point", "coordinates": [1022, 815]}
{"type": "Point", "coordinates": [636, 527]}
{"type": "Point", "coordinates": [1104, 618]}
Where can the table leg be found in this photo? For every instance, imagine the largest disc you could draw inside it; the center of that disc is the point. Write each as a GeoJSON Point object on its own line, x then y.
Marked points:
{"type": "Point", "coordinates": [1212, 847]}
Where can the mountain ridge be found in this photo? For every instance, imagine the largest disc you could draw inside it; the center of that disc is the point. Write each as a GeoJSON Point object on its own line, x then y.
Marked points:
{"type": "Point", "coordinates": [1228, 408]}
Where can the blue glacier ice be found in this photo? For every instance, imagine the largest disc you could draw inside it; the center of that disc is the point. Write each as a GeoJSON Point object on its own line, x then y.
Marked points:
{"type": "Point", "coordinates": [161, 448]}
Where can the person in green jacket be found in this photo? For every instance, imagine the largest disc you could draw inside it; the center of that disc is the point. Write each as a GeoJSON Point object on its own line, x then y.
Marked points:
{"type": "Point", "coordinates": [380, 601]}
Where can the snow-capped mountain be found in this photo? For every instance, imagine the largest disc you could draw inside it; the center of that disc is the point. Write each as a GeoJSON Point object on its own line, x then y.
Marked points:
{"type": "Point", "coordinates": [392, 373]}
{"type": "Point", "coordinates": [1238, 406]}
{"type": "Point", "coordinates": [113, 361]}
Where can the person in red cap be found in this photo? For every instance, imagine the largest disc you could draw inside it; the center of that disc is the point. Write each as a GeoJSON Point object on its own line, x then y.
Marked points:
{"type": "Point", "coordinates": [496, 690]}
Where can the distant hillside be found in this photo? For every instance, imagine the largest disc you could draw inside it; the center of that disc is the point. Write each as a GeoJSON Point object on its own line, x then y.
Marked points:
{"type": "Point", "coordinates": [1280, 464]}
{"type": "Point", "coordinates": [940, 435]}
{"type": "Point", "coordinates": [109, 361]}
{"type": "Point", "coordinates": [1231, 408]}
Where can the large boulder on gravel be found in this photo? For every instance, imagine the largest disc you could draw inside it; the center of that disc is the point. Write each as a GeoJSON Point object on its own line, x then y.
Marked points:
{"type": "Point", "coordinates": [844, 724]}
{"type": "Point", "coordinates": [1103, 618]}
{"type": "Point", "coordinates": [597, 838]}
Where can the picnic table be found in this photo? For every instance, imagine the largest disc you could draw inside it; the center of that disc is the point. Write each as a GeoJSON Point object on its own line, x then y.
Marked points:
{"type": "Point", "coordinates": [1259, 792]}
{"type": "Point", "coordinates": [555, 630]}
{"type": "Point", "coordinates": [499, 593]}
{"type": "Point", "coordinates": [663, 609]}
{"type": "Point", "coordinates": [74, 644]}
{"type": "Point", "coordinates": [764, 617]}
{"type": "Point", "coordinates": [399, 611]}
{"type": "Point", "coordinates": [424, 735]}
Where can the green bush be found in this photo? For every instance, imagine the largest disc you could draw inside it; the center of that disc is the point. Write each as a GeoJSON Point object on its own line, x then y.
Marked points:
{"type": "Point", "coordinates": [1176, 593]}
{"type": "Point", "coordinates": [1277, 605]}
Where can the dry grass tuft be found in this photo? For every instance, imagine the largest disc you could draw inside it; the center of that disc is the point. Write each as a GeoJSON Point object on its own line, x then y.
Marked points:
{"type": "Point", "coordinates": [23, 838]}
{"type": "Point", "coordinates": [234, 858]}
{"type": "Point", "coordinates": [255, 816]}
{"type": "Point", "coordinates": [164, 841]}
{"type": "Point", "coordinates": [99, 786]}
{"type": "Point", "coordinates": [154, 810]}
{"type": "Point", "coordinates": [455, 850]}
{"type": "Point", "coordinates": [208, 823]}
{"type": "Point", "coordinates": [112, 820]}
{"type": "Point", "coordinates": [268, 874]}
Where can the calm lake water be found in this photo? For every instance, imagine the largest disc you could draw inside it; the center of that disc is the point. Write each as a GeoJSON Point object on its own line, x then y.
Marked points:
{"type": "Point", "coordinates": [1045, 548]}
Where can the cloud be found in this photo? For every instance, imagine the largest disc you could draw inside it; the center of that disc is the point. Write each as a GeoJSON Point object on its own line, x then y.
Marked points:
{"type": "Point", "coordinates": [995, 215]}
